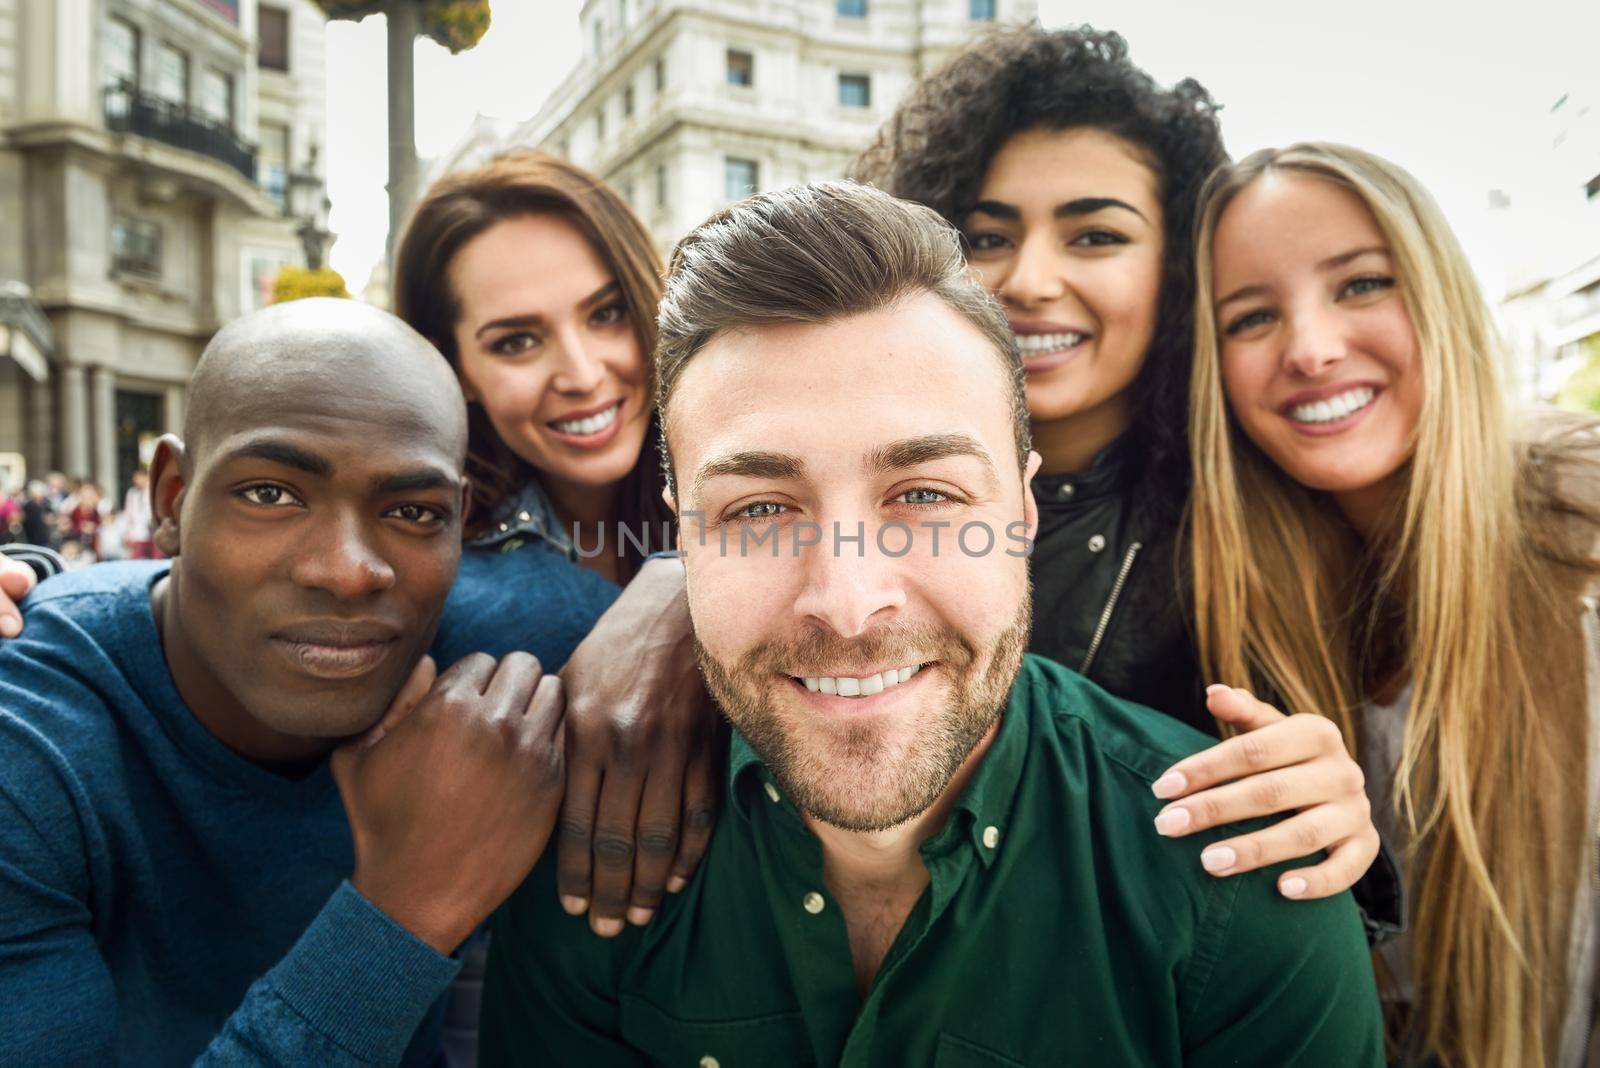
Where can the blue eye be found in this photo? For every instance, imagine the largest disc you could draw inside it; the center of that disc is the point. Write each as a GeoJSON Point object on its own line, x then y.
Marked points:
{"type": "Point", "coordinates": [1360, 287]}
{"type": "Point", "coordinates": [922, 496]}
{"type": "Point", "coordinates": [1247, 321]}
{"type": "Point", "coordinates": [759, 510]}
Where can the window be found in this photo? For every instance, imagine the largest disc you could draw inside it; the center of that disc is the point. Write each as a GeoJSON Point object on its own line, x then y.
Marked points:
{"type": "Point", "coordinates": [741, 68]}
{"type": "Point", "coordinates": [272, 27]}
{"type": "Point", "coordinates": [272, 163]}
{"type": "Point", "coordinates": [740, 177]}
{"type": "Point", "coordinates": [661, 185]}
{"type": "Point", "coordinates": [599, 35]}
{"type": "Point", "coordinates": [980, 10]}
{"type": "Point", "coordinates": [855, 90]}
{"type": "Point", "coordinates": [172, 74]}
{"type": "Point", "coordinates": [564, 149]}
{"type": "Point", "coordinates": [135, 246]}
{"type": "Point", "coordinates": [851, 9]}
{"type": "Point", "coordinates": [627, 101]}
{"type": "Point", "coordinates": [600, 124]}
{"type": "Point", "coordinates": [628, 191]}
{"type": "Point", "coordinates": [661, 75]}
{"type": "Point", "coordinates": [216, 96]}
{"type": "Point", "coordinates": [1592, 188]}
{"type": "Point", "coordinates": [122, 53]}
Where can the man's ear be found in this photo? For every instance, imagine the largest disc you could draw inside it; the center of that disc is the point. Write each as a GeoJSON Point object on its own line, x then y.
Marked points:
{"type": "Point", "coordinates": [1030, 507]}
{"type": "Point", "coordinates": [168, 481]}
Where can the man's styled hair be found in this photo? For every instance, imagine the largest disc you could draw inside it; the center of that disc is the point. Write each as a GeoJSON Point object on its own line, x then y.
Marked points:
{"type": "Point", "coordinates": [813, 254]}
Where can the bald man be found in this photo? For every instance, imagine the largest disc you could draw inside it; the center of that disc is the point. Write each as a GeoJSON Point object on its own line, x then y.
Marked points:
{"type": "Point", "coordinates": [204, 856]}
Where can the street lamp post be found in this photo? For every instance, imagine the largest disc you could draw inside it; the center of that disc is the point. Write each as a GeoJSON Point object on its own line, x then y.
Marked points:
{"type": "Point", "coordinates": [308, 201]}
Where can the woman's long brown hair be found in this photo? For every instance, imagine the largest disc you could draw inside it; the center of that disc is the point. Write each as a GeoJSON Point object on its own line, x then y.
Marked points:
{"type": "Point", "coordinates": [457, 209]}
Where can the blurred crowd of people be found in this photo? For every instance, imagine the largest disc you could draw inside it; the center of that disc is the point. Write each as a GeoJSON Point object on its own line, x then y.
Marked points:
{"type": "Point", "coordinates": [76, 518]}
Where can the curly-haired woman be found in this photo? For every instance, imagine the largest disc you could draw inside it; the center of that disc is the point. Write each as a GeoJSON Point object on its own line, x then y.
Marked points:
{"type": "Point", "coordinates": [1073, 177]}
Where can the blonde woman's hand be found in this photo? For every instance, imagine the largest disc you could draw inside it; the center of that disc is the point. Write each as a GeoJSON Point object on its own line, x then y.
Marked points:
{"type": "Point", "coordinates": [1294, 766]}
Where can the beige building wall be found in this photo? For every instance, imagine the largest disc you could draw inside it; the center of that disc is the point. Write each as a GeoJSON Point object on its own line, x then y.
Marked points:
{"type": "Point", "coordinates": [139, 225]}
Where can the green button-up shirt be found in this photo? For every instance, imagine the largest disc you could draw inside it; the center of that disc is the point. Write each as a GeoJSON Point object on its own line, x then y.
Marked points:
{"type": "Point", "coordinates": [1058, 928]}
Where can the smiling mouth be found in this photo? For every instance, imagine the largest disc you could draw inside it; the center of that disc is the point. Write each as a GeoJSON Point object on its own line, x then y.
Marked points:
{"type": "Point", "coordinates": [859, 685]}
{"type": "Point", "coordinates": [1334, 408]}
{"type": "Point", "coordinates": [1049, 344]}
{"type": "Point", "coordinates": [589, 425]}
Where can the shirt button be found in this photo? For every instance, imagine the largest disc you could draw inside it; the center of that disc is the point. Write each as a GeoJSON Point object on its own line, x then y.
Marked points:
{"type": "Point", "coordinates": [708, 1061]}
{"type": "Point", "coordinates": [1065, 491]}
{"type": "Point", "coordinates": [1097, 543]}
{"type": "Point", "coordinates": [525, 517]}
{"type": "Point", "coordinates": [504, 527]}
{"type": "Point", "coordinates": [813, 902]}
{"type": "Point", "coordinates": [772, 792]}
{"type": "Point", "coordinates": [991, 837]}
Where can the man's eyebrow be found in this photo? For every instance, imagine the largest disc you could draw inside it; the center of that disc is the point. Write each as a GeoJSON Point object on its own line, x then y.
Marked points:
{"type": "Point", "coordinates": [282, 452]}
{"type": "Point", "coordinates": [1090, 205]}
{"type": "Point", "coordinates": [909, 452]}
{"type": "Point", "coordinates": [750, 464]}
{"type": "Point", "coordinates": [428, 478]}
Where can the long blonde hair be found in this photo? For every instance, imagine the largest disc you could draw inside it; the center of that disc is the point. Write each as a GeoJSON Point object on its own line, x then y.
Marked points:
{"type": "Point", "coordinates": [1459, 594]}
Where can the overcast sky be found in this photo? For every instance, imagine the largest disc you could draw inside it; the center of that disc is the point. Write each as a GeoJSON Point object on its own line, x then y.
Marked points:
{"type": "Point", "coordinates": [1461, 99]}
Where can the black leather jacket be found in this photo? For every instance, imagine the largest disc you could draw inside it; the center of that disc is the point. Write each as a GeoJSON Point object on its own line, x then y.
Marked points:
{"type": "Point", "coordinates": [1109, 602]}
{"type": "Point", "coordinates": [1106, 597]}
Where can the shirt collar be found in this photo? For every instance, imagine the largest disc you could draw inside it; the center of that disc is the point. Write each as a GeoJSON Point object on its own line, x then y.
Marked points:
{"type": "Point", "coordinates": [528, 515]}
{"type": "Point", "coordinates": [1107, 474]}
{"type": "Point", "coordinates": [983, 811]}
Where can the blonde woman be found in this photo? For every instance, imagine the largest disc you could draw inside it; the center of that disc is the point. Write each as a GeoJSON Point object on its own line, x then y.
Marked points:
{"type": "Point", "coordinates": [1375, 542]}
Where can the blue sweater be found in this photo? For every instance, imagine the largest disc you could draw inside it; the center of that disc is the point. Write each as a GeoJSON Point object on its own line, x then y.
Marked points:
{"type": "Point", "coordinates": [165, 901]}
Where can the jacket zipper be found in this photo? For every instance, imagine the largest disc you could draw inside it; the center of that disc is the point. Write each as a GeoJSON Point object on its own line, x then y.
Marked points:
{"type": "Point", "coordinates": [1111, 606]}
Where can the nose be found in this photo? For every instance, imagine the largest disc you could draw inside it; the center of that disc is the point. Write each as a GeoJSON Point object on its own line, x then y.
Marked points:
{"type": "Point", "coordinates": [1315, 343]}
{"type": "Point", "coordinates": [849, 582]}
{"type": "Point", "coordinates": [1037, 275]}
{"type": "Point", "coordinates": [579, 370]}
{"type": "Point", "coordinates": [341, 559]}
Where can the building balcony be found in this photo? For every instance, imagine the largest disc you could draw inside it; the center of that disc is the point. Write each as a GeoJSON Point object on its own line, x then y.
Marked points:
{"type": "Point", "coordinates": [128, 110]}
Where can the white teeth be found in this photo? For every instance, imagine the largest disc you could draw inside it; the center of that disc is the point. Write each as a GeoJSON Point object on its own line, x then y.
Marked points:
{"type": "Point", "coordinates": [1035, 344]}
{"type": "Point", "coordinates": [859, 686]}
{"type": "Point", "coordinates": [1338, 407]}
{"type": "Point", "coordinates": [591, 425]}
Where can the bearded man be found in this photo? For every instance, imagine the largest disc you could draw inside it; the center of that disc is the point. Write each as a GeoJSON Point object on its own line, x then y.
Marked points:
{"type": "Point", "coordinates": [936, 850]}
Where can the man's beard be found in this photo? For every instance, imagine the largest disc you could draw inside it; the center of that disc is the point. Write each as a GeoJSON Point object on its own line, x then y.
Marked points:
{"type": "Point", "coordinates": [858, 776]}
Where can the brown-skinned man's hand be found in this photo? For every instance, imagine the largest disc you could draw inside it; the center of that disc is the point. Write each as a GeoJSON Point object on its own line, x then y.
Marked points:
{"type": "Point", "coordinates": [643, 740]}
{"type": "Point", "coordinates": [453, 796]}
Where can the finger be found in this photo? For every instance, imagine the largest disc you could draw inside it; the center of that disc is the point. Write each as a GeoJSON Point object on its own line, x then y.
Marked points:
{"type": "Point", "coordinates": [1347, 862]}
{"type": "Point", "coordinates": [473, 672]}
{"type": "Point", "coordinates": [416, 687]}
{"type": "Point", "coordinates": [16, 579]}
{"type": "Point", "coordinates": [1316, 782]}
{"type": "Point", "coordinates": [547, 709]}
{"type": "Point", "coordinates": [615, 833]}
{"type": "Point", "coordinates": [702, 783]}
{"type": "Point", "coordinates": [1295, 739]}
{"type": "Point", "coordinates": [1298, 836]}
{"type": "Point", "coordinates": [656, 840]}
{"type": "Point", "coordinates": [575, 833]}
{"type": "Point", "coordinates": [1239, 708]}
{"type": "Point", "coordinates": [510, 691]}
